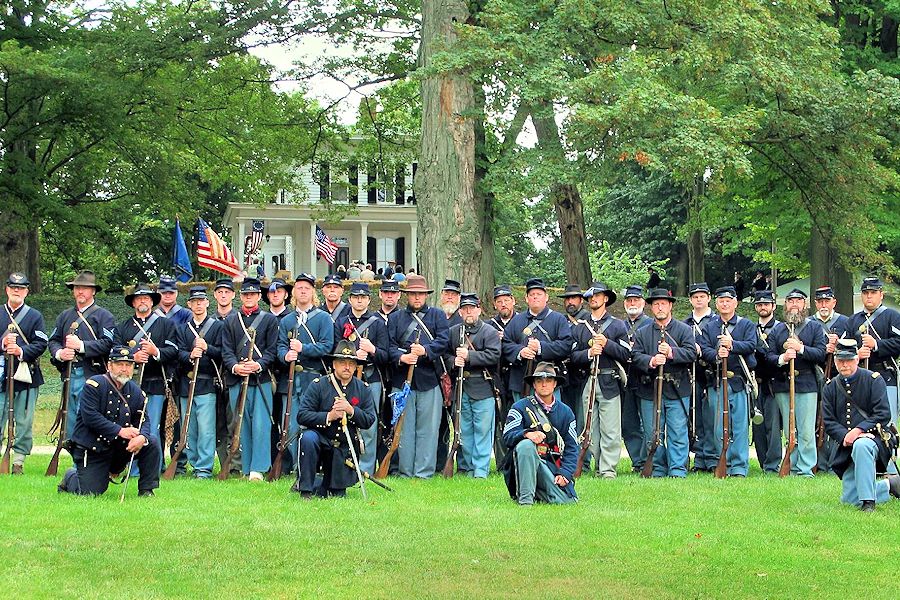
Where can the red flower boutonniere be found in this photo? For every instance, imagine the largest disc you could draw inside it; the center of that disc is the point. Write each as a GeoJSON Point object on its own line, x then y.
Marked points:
{"type": "Point", "coordinates": [354, 401]}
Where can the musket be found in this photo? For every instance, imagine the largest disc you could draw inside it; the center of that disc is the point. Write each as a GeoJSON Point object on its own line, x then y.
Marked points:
{"type": "Point", "coordinates": [647, 471]}
{"type": "Point", "coordinates": [368, 477]}
{"type": "Point", "coordinates": [182, 442]}
{"type": "Point", "coordinates": [865, 329]}
{"type": "Point", "coordinates": [239, 413]}
{"type": "Point", "coordinates": [10, 411]}
{"type": "Point", "coordinates": [460, 377]}
{"type": "Point", "coordinates": [133, 454]}
{"type": "Point", "coordinates": [820, 419]}
{"type": "Point", "coordinates": [359, 475]}
{"type": "Point", "coordinates": [692, 420]}
{"type": "Point", "coordinates": [59, 424]}
{"type": "Point", "coordinates": [529, 366]}
{"type": "Point", "coordinates": [385, 465]}
{"type": "Point", "coordinates": [785, 469]}
{"type": "Point", "coordinates": [722, 465]}
{"type": "Point", "coordinates": [275, 471]}
{"type": "Point", "coordinates": [585, 438]}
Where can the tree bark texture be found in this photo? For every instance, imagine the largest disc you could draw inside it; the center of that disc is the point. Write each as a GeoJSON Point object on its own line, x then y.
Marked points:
{"type": "Point", "coordinates": [696, 270]}
{"type": "Point", "coordinates": [568, 206]}
{"type": "Point", "coordinates": [825, 269]}
{"type": "Point", "coordinates": [450, 213]}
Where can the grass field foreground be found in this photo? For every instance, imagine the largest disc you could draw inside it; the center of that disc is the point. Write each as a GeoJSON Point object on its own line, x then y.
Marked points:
{"type": "Point", "coordinates": [759, 537]}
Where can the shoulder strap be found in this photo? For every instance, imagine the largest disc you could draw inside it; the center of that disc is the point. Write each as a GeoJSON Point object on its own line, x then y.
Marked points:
{"type": "Point", "coordinates": [84, 315]}
{"type": "Point", "coordinates": [17, 322]}
{"type": "Point", "coordinates": [422, 324]}
{"type": "Point", "coordinates": [142, 331]}
{"type": "Point", "coordinates": [362, 328]}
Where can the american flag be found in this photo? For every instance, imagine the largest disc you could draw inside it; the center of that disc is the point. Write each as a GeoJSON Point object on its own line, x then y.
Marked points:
{"type": "Point", "coordinates": [324, 246]}
{"type": "Point", "coordinates": [254, 240]}
{"type": "Point", "coordinates": [212, 251]}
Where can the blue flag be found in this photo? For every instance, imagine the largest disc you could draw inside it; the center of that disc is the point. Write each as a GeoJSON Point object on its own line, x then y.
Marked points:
{"type": "Point", "coordinates": [181, 260]}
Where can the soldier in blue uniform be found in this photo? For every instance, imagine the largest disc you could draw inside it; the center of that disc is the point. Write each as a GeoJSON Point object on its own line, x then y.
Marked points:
{"type": "Point", "coordinates": [603, 336]}
{"type": "Point", "coordinates": [835, 326]}
{"type": "Point", "coordinates": [449, 303]}
{"type": "Point", "coordinates": [305, 335]}
{"type": "Point", "coordinates": [428, 325]}
{"type": "Point", "coordinates": [802, 339]}
{"type": "Point", "coordinates": [767, 435]}
{"type": "Point", "coordinates": [256, 429]}
{"type": "Point", "coordinates": [368, 333]}
{"type": "Point", "coordinates": [332, 289]}
{"type": "Point", "coordinates": [168, 302]}
{"type": "Point", "coordinates": [542, 447]}
{"type": "Point", "coordinates": [333, 407]}
{"type": "Point", "coordinates": [857, 413]}
{"type": "Point", "coordinates": [570, 393]}
{"type": "Point", "coordinates": [538, 334]}
{"type": "Point", "coordinates": [389, 294]}
{"type": "Point", "coordinates": [876, 328]}
{"type": "Point", "coordinates": [729, 335]}
{"type": "Point", "coordinates": [632, 427]}
{"type": "Point", "coordinates": [26, 341]}
{"type": "Point", "coordinates": [702, 419]}
{"type": "Point", "coordinates": [278, 296]}
{"type": "Point", "coordinates": [666, 343]}
{"type": "Point", "coordinates": [223, 292]}
{"type": "Point", "coordinates": [109, 428]}
{"type": "Point", "coordinates": [155, 351]}
{"type": "Point", "coordinates": [87, 345]}
{"type": "Point", "coordinates": [200, 338]}
{"type": "Point", "coordinates": [505, 308]}
{"type": "Point", "coordinates": [475, 348]}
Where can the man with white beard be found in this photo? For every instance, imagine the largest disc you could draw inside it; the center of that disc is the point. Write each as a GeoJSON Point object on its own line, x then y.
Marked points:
{"type": "Point", "coordinates": [835, 326]}
{"type": "Point", "coordinates": [632, 428]}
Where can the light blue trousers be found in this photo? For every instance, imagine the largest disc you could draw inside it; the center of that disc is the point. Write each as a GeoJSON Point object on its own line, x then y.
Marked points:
{"type": "Point", "coordinates": [419, 437]}
{"type": "Point", "coordinates": [804, 456]}
{"type": "Point", "coordinates": [535, 479]}
{"type": "Point", "coordinates": [370, 436]}
{"type": "Point", "coordinates": [256, 428]}
{"type": "Point", "coordinates": [476, 424]}
{"type": "Point", "coordinates": [859, 483]}
{"type": "Point", "coordinates": [738, 457]}
{"type": "Point", "coordinates": [672, 454]}
{"type": "Point", "coordinates": [23, 408]}
{"type": "Point", "coordinates": [201, 438]}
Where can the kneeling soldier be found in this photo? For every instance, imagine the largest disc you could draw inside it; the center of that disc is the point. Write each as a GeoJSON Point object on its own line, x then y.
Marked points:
{"type": "Point", "coordinates": [543, 450]}
{"type": "Point", "coordinates": [856, 412]}
{"type": "Point", "coordinates": [109, 428]}
{"type": "Point", "coordinates": [333, 409]}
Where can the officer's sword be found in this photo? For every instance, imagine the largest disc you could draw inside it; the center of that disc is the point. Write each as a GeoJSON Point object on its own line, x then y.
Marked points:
{"type": "Point", "coordinates": [362, 480]}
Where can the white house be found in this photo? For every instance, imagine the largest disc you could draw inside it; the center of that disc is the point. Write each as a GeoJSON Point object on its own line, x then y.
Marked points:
{"type": "Point", "coordinates": [379, 226]}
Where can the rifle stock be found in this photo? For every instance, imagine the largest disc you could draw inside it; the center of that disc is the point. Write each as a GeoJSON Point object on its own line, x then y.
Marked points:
{"type": "Point", "coordinates": [10, 410]}
{"type": "Point", "coordinates": [451, 456]}
{"type": "Point", "coordinates": [589, 418]}
{"type": "Point", "coordinates": [60, 423]}
{"type": "Point", "coordinates": [275, 471]}
{"type": "Point", "coordinates": [133, 454]}
{"type": "Point", "coordinates": [182, 441]}
{"type": "Point", "coordinates": [647, 471]}
{"type": "Point", "coordinates": [385, 465]}
{"type": "Point", "coordinates": [722, 465]}
{"type": "Point", "coordinates": [785, 469]}
{"type": "Point", "coordinates": [239, 413]}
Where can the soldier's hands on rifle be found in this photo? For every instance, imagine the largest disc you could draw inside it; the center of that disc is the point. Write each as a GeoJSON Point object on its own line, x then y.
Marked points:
{"type": "Point", "coordinates": [65, 354]}
{"type": "Point", "coordinates": [149, 347]}
{"type": "Point", "coordinates": [199, 342]}
{"type": "Point", "coordinates": [869, 342]}
{"type": "Point", "coordinates": [129, 433]}
{"type": "Point", "coordinates": [9, 338]}
{"type": "Point", "coordinates": [291, 355]}
{"type": "Point", "coordinates": [343, 406]}
{"type": "Point", "coordinates": [831, 346]}
{"type": "Point", "coordinates": [11, 347]}
{"type": "Point", "coordinates": [297, 346]}
{"type": "Point", "coordinates": [73, 343]}
{"type": "Point", "coordinates": [535, 345]}
{"type": "Point", "coordinates": [527, 353]}
{"type": "Point", "coordinates": [459, 361]}
{"type": "Point", "coordinates": [462, 353]}
{"type": "Point", "coordinates": [658, 360]}
{"type": "Point", "coordinates": [197, 352]}
{"type": "Point", "coordinates": [723, 352]}
{"type": "Point", "coordinates": [141, 356]}
{"type": "Point", "coordinates": [726, 341]}
{"type": "Point", "coordinates": [794, 344]}
{"type": "Point", "coordinates": [244, 368]}
{"type": "Point", "coordinates": [666, 350]}
{"type": "Point", "coordinates": [788, 355]}
{"type": "Point", "coordinates": [865, 352]}
{"type": "Point", "coordinates": [417, 349]}
{"type": "Point", "coordinates": [136, 443]}
{"type": "Point", "coordinates": [362, 354]}
{"type": "Point", "coordinates": [536, 436]}
{"type": "Point", "coordinates": [409, 358]}
{"type": "Point", "coordinates": [366, 345]}
{"type": "Point", "coordinates": [595, 350]}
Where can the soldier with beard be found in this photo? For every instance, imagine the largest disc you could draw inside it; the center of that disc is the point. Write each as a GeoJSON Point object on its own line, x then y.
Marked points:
{"type": "Point", "coordinates": [332, 289]}
{"type": "Point", "coordinates": [632, 428]}
{"type": "Point", "coordinates": [802, 340]}
{"type": "Point", "coordinates": [835, 326]}
{"type": "Point", "coordinates": [505, 307]}
{"type": "Point", "coordinates": [766, 435]}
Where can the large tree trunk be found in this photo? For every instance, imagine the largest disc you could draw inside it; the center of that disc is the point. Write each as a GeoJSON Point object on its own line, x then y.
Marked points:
{"type": "Point", "coordinates": [567, 204]}
{"type": "Point", "coordinates": [826, 269]}
{"type": "Point", "coordinates": [485, 199]}
{"type": "Point", "coordinates": [696, 270]}
{"type": "Point", "coordinates": [888, 37]}
{"type": "Point", "coordinates": [450, 217]}
{"type": "Point", "coordinates": [19, 251]}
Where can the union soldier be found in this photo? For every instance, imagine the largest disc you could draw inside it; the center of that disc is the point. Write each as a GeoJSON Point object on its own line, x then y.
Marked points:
{"type": "Point", "coordinates": [573, 301]}
{"type": "Point", "coordinates": [168, 302]}
{"type": "Point", "coordinates": [803, 340]}
{"type": "Point", "coordinates": [332, 289]}
{"type": "Point", "coordinates": [542, 448]}
{"type": "Point", "coordinates": [110, 427]}
{"type": "Point", "coordinates": [702, 419]}
{"type": "Point", "coordinates": [419, 336]}
{"type": "Point", "coordinates": [476, 348]}
{"type": "Point", "coordinates": [538, 334]}
{"type": "Point", "coordinates": [333, 408]}
{"type": "Point", "coordinates": [201, 338]}
{"type": "Point", "coordinates": [278, 296]}
{"type": "Point", "coordinates": [368, 334]}
{"type": "Point", "coordinates": [505, 307]}
{"type": "Point", "coordinates": [835, 325]}
{"type": "Point", "coordinates": [224, 294]}
{"type": "Point", "coordinates": [155, 351]}
{"type": "Point", "coordinates": [305, 335]}
{"type": "Point", "coordinates": [23, 339]}
{"type": "Point", "coordinates": [729, 335]}
{"type": "Point", "coordinates": [570, 392]}
{"type": "Point", "coordinates": [389, 294]}
{"type": "Point", "coordinates": [632, 428]}
{"type": "Point", "coordinates": [767, 435]}
{"type": "Point", "coordinates": [87, 344]}
{"type": "Point", "coordinates": [670, 344]}
{"type": "Point", "coordinates": [605, 337]}
{"type": "Point", "coordinates": [857, 413]}
{"type": "Point", "coordinates": [876, 328]}
{"type": "Point", "coordinates": [449, 303]}
{"type": "Point", "coordinates": [255, 433]}
{"type": "Point", "coordinates": [450, 298]}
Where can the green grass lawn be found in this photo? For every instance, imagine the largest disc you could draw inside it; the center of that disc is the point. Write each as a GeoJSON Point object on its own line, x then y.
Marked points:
{"type": "Point", "coordinates": [760, 537]}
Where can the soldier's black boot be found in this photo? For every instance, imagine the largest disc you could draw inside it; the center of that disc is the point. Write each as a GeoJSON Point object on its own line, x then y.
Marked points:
{"type": "Point", "coordinates": [867, 506]}
{"type": "Point", "coordinates": [894, 485]}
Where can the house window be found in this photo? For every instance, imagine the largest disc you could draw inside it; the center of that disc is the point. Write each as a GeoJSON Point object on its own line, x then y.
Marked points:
{"type": "Point", "coordinates": [324, 182]}
{"type": "Point", "coordinates": [353, 181]}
